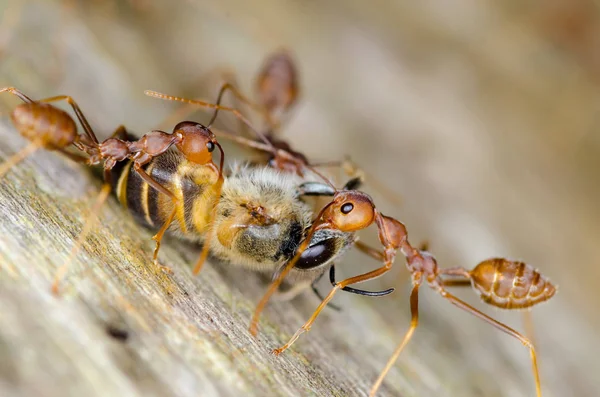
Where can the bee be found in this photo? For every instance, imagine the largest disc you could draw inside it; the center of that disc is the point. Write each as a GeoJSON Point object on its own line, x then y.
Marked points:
{"type": "Point", "coordinates": [260, 218]}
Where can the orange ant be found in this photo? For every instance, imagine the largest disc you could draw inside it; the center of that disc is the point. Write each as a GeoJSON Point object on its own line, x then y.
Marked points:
{"type": "Point", "coordinates": [51, 128]}
{"type": "Point", "coordinates": [278, 91]}
{"type": "Point", "coordinates": [500, 282]}
{"type": "Point", "coordinates": [195, 141]}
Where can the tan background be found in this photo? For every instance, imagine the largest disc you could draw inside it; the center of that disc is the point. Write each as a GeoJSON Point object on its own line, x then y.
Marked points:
{"type": "Point", "coordinates": [483, 117]}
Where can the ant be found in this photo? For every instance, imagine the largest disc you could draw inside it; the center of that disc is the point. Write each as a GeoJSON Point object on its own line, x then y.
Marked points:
{"type": "Point", "coordinates": [499, 282]}
{"type": "Point", "coordinates": [51, 128]}
{"type": "Point", "coordinates": [277, 89]}
{"type": "Point", "coordinates": [278, 92]}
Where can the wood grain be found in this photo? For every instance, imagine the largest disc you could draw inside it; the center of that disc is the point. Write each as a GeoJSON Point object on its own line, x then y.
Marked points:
{"type": "Point", "coordinates": [484, 117]}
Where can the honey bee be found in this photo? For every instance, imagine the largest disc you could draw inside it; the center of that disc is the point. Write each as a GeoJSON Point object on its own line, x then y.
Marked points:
{"type": "Point", "coordinates": [260, 218]}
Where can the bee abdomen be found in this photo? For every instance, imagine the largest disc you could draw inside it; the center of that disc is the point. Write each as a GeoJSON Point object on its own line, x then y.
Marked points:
{"type": "Point", "coordinates": [510, 285]}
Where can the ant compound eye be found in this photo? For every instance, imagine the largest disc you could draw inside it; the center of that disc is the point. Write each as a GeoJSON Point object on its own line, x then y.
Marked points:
{"type": "Point", "coordinates": [210, 146]}
{"type": "Point", "coordinates": [350, 211]}
{"type": "Point", "coordinates": [346, 208]}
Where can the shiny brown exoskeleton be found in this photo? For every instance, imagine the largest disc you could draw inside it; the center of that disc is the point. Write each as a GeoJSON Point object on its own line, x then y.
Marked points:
{"type": "Point", "coordinates": [48, 127]}
{"type": "Point", "coordinates": [51, 128]}
{"type": "Point", "coordinates": [277, 91]}
{"type": "Point", "coordinates": [500, 282]}
{"type": "Point", "coordinates": [510, 284]}
{"type": "Point", "coordinates": [45, 127]}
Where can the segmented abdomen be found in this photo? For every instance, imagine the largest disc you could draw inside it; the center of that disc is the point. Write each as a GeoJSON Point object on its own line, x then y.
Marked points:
{"type": "Point", "coordinates": [53, 126]}
{"type": "Point", "coordinates": [510, 285]}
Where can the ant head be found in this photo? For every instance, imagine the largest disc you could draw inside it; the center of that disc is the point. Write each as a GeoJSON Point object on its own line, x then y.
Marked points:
{"type": "Point", "coordinates": [197, 142]}
{"type": "Point", "coordinates": [349, 211]}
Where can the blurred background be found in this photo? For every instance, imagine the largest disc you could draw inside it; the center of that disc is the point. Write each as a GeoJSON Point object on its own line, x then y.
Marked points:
{"type": "Point", "coordinates": [482, 116]}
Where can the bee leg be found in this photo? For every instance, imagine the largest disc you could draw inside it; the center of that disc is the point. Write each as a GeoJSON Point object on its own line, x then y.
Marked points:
{"type": "Point", "coordinates": [209, 235]}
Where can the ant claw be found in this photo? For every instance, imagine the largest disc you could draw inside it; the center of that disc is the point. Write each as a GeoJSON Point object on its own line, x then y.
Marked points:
{"type": "Point", "coordinates": [162, 268]}
{"type": "Point", "coordinates": [276, 352]}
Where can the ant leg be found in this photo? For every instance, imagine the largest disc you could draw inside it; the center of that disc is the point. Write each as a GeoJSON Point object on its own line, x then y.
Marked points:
{"type": "Point", "coordinates": [315, 290]}
{"type": "Point", "coordinates": [186, 111]}
{"type": "Point", "coordinates": [355, 290]}
{"type": "Point", "coordinates": [456, 283]}
{"type": "Point", "coordinates": [19, 156]}
{"type": "Point", "coordinates": [414, 311]}
{"type": "Point", "coordinates": [466, 282]}
{"type": "Point", "coordinates": [87, 226]}
{"type": "Point", "coordinates": [244, 141]}
{"type": "Point", "coordinates": [74, 157]}
{"type": "Point", "coordinates": [241, 97]}
{"type": "Point", "coordinates": [217, 186]}
{"type": "Point", "coordinates": [528, 325]}
{"type": "Point", "coordinates": [209, 105]}
{"type": "Point", "coordinates": [84, 123]}
{"type": "Point", "coordinates": [502, 327]}
{"type": "Point", "coordinates": [121, 133]}
{"type": "Point", "coordinates": [281, 273]}
{"type": "Point", "coordinates": [17, 93]}
{"type": "Point", "coordinates": [352, 280]}
{"type": "Point", "coordinates": [159, 235]}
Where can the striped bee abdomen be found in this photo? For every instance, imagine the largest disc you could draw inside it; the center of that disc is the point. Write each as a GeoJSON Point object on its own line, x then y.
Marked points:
{"type": "Point", "coordinates": [188, 183]}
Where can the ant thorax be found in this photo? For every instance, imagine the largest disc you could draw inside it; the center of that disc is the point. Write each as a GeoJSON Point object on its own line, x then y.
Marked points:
{"type": "Point", "coordinates": [261, 220]}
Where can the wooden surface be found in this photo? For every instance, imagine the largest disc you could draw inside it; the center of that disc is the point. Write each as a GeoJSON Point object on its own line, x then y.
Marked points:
{"type": "Point", "coordinates": [484, 117]}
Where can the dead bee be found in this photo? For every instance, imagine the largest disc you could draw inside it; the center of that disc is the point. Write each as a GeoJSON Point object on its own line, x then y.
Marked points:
{"type": "Point", "coordinates": [260, 218]}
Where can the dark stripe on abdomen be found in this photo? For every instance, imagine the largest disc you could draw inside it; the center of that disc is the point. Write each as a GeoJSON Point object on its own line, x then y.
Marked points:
{"type": "Point", "coordinates": [134, 196]}
{"type": "Point", "coordinates": [190, 191]}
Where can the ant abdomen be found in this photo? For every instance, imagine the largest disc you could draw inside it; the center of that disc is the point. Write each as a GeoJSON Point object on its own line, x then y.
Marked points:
{"type": "Point", "coordinates": [510, 284]}
{"type": "Point", "coordinates": [51, 126]}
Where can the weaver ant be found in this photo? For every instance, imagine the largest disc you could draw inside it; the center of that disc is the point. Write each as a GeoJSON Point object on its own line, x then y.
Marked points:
{"type": "Point", "coordinates": [51, 128]}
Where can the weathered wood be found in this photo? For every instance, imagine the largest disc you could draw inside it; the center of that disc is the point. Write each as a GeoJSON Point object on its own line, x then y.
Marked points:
{"type": "Point", "coordinates": [486, 128]}
{"type": "Point", "coordinates": [186, 335]}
